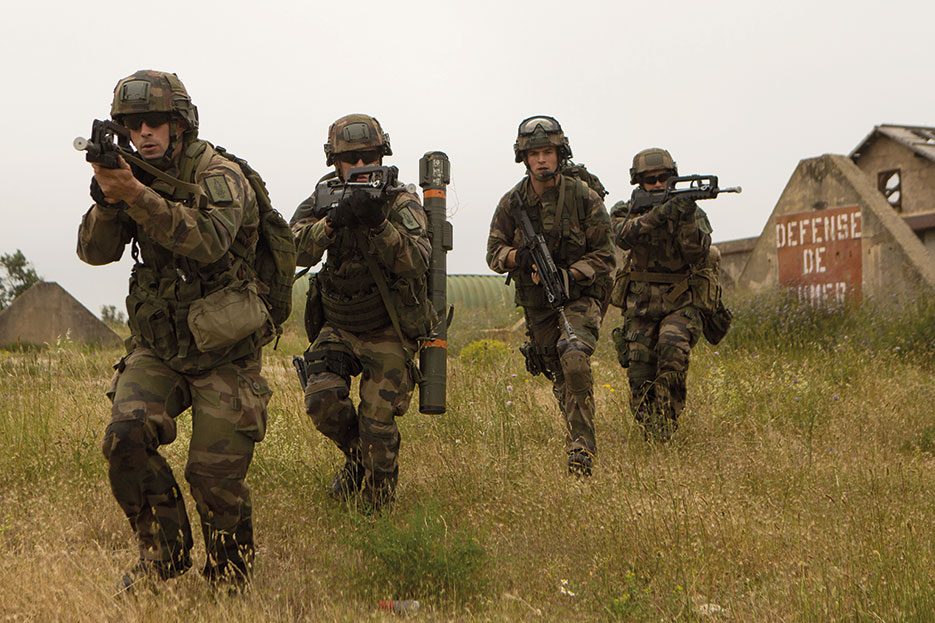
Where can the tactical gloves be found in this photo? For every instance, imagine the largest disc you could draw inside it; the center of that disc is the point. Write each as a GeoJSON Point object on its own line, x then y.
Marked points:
{"type": "Point", "coordinates": [368, 211]}
{"type": "Point", "coordinates": [98, 196]}
{"type": "Point", "coordinates": [340, 216]}
{"type": "Point", "coordinates": [524, 259]}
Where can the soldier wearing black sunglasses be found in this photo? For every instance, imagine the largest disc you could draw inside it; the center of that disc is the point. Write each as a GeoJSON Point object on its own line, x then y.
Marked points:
{"type": "Point", "coordinates": [664, 248]}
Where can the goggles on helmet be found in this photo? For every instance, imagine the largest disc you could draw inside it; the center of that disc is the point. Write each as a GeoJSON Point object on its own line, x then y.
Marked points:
{"type": "Point", "coordinates": [548, 125]}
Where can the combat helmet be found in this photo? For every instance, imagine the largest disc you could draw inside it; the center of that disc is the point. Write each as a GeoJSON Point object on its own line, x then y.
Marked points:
{"type": "Point", "coordinates": [356, 133]}
{"type": "Point", "coordinates": [650, 160]}
{"type": "Point", "coordinates": [153, 91]}
{"type": "Point", "coordinates": [540, 131]}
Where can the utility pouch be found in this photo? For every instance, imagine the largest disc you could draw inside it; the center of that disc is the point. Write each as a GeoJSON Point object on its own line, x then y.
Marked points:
{"type": "Point", "coordinates": [619, 336]}
{"type": "Point", "coordinates": [417, 315]}
{"type": "Point", "coordinates": [314, 312]}
{"type": "Point", "coordinates": [618, 292]}
{"type": "Point", "coordinates": [706, 291]}
{"type": "Point", "coordinates": [715, 325]}
{"type": "Point", "coordinates": [227, 316]}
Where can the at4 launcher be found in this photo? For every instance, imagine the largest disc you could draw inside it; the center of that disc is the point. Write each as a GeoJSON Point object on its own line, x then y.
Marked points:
{"type": "Point", "coordinates": [694, 187]}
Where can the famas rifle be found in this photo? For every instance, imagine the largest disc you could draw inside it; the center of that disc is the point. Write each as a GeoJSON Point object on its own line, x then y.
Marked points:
{"type": "Point", "coordinates": [108, 141]}
{"type": "Point", "coordinates": [694, 187]}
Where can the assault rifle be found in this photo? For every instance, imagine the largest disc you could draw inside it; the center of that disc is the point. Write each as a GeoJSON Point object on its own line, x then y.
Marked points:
{"type": "Point", "coordinates": [108, 141]}
{"type": "Point", "coordinates": [550, 277]}
{"type": "Point", "coordinates": [694, 187]}
{"type": "Point", "coordinates": [374, 180]}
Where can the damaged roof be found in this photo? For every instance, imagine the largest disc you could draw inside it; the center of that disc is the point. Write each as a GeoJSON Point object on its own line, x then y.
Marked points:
{"type": "Point", "coordinates": [920, 139]}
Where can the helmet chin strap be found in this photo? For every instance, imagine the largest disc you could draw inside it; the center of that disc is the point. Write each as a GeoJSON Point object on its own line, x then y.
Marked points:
{"type": "Point", "coordinates": [164, 162]}
{"type": "Point", "coordinates": [541, 177]}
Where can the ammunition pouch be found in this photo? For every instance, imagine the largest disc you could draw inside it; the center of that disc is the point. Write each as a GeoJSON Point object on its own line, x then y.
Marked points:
{"type": "Point", "coordinates": [417, 315]}
{"type": "Point", "coordinates": [227, 316]}
{"type": "Point", "coordinates": [619, 337]}
{"type": "Point", "coordinates": [706, 291]}
{"type": "Point", "coordinates": [618, 292]}
{"type": "Point", "coordinates": [335, 361]}
{"type": "Point", "coordinates": [541, 359]}
{"type": "Point", "coordinates": [314, 312]}
{"type": "Point", "coordinates": [359, 314]}
{"type": "Point", "coordinates": [529, 294]}
{"type": "Point", "coordinates": [715, 325]}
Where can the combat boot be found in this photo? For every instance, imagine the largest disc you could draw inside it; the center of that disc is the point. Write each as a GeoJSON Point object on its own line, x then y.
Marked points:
{"type": "Point", "coordinates": [151, 573]}
{"type": "Point", "coordinates": [579, 463]}
{"type": "Point", "coordinates": [347, 481]}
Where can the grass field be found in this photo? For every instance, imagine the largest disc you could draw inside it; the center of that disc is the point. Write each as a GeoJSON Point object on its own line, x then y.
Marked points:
{"type": "Point", "coordinates": [799, 488]}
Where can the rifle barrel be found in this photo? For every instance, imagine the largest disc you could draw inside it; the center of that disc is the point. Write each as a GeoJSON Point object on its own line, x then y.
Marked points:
{"type": "Point", "coordinates": [732, 189]}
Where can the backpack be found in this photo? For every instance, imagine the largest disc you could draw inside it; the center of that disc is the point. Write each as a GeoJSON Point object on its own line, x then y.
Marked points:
{"type": "Point", "coordinates": [580, 172]}
{"type": "Point", "coordinates": [275, 248]}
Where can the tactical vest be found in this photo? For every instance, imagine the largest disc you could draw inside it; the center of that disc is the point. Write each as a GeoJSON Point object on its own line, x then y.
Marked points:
{"type": "Point", "coordinates": [658, 261]}
{"type": "Point", "coordinates": [566, 239]}
{"type": "Point", "coordinates": [163, 285]}
{"type": "Point", "coordinates": [352, 300]}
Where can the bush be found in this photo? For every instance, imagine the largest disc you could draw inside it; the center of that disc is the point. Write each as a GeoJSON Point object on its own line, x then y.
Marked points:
{"type": "Point", "coordinates": [419, 556]}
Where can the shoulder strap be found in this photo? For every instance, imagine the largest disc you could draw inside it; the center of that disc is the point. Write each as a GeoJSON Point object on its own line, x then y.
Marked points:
{"type": "Point", "coordinates": [388, 303]}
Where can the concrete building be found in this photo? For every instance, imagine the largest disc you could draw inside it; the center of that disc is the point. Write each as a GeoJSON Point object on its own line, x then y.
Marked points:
{"type": "Point", "coordinates": [900, 161]}
{"type": "Point", "coordinates": [45, 312]}
{"type": "Point", "coordinates": [848, 227]}
{"type": "Point", "coordinates": [834, 236]}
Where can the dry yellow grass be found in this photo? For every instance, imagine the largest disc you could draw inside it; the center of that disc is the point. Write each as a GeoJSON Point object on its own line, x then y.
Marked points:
{"type": "Point", "coordinates": [796, 491]}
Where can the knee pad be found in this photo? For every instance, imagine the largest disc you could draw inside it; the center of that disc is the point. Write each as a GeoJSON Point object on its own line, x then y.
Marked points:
{"type": "Point", "coordinates": [124, 439]}
{"type": "Point", "coordinates": [577, 371]}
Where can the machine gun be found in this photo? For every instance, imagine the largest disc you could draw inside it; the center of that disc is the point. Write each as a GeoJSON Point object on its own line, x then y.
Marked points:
{"type": "Point", "coordinates": [550, 277]}
{"type": "Point", "coordinates": [108, 141]}
{"type": "Point", "coordinates": [694, 187]}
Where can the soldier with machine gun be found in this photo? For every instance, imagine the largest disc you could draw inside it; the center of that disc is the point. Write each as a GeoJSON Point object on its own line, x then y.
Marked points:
{"type": "Point", "coordinates": [667, 286]}
{"type": "Point", "coordinates": [551, 233]}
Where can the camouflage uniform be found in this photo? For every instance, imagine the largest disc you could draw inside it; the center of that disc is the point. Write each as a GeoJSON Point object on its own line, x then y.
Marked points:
{"type": "Point", "coordinates": [661, 321]}
{"type": "Point", "coordinates": [357, 336]}
{"type": "Point", "coordinates": [183, 253]}
{"type": "Point", "coordinates": [578, 238]}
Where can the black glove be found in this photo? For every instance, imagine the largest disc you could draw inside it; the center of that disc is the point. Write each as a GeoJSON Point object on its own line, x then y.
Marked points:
{"type": "Point", "coordinates": [98, 195]}
{"type": "Point", "coordinates": [340, 216]}
{"type": "Point", "coordinates": [524, 259]}
{"type": "Point", "coordinates": [369, 211]}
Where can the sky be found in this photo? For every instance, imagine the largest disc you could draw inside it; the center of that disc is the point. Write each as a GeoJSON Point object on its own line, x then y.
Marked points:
{"type": "Point", "coordinates": [742, 90]}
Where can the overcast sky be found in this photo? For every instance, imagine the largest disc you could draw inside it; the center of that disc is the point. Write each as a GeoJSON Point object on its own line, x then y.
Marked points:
{"type": "Point", "coordinates": [740, 89]}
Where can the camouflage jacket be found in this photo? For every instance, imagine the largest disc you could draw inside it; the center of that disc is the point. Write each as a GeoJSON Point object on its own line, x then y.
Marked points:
{"type": "Point", "coordinates": [578, 238]}
{"type": "Point", "coordinates": [401, 248]}
{"type": "Point", "coordinates": [182, 252]}
{"type": "Point", "coordinates": [662, 252]}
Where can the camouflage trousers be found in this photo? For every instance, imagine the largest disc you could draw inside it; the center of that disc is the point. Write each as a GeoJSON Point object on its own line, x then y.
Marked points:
{"type": "Point", "coordinates": [228, 406]}
{"type": "Point", "coordinates": [569, 366]}
{"type": "Point", "coordinates": [366, 434]}
{"type": "Point", "coordinates": [658, 353]}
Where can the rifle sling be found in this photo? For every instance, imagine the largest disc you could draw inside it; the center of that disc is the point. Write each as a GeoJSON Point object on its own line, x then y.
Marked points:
{"type": "Point", "coordinates": [194, 189]}
{"type": "Point", "coordinates": [387, 301]}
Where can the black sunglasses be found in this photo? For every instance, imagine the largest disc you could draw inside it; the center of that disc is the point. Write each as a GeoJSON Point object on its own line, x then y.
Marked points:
{"type": "Point", "coordinates": [151, 119]}
{"type": "Point", "coordinates": [353, 157]}
{"type": "Point", "coordinates": [652, 179]}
